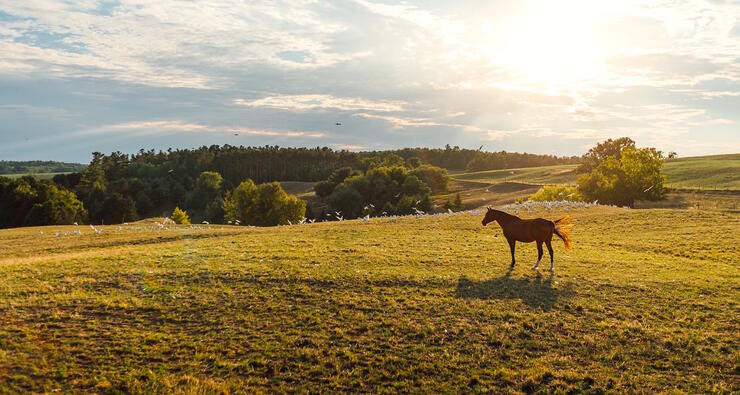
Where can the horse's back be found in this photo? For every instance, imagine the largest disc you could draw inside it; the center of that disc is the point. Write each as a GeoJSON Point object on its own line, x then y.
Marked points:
{"type": "Point", "coordinates": [529, 230]}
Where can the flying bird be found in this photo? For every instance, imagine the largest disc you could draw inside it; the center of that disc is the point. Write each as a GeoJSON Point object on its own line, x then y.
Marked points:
{"type": "Point", "coordinates": [338, 124]}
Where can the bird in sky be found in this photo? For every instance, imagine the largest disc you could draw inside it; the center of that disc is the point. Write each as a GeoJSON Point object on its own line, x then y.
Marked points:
{"type": "Point", "coordinates": [338, 124]}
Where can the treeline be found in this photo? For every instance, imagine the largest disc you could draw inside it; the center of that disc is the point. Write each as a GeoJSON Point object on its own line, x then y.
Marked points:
{"type": "Point", "coordinates": [456, 158]}
{"type": "Point", "coordinates": [38, 166]}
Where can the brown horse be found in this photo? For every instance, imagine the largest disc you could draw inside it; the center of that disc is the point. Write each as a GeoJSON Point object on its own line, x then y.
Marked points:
{"type": "Point", "coordinates": [529, 230]}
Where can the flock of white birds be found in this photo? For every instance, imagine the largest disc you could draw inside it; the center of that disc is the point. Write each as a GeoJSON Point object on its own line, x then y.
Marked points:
{"type": "Point", "coordinates": [167, 224]}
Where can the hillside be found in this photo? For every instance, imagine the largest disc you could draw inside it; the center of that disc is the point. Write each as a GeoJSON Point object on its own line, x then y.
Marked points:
{"type": "Point", "coordinates": [707, 172]}
{"type": "Point", "coordinates": [646, 302]}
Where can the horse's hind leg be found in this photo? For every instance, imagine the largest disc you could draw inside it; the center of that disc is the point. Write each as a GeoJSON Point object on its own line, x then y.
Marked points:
{"type": "Point", "coordinates": [552, 256]}
{"type": "Point", "coordinates": [539, 255]}
{"type": "Point", "coordinates": [512, 246]}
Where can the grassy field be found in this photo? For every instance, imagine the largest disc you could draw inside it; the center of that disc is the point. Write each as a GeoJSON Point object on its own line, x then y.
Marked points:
{"type": "Point", "coordinates": [560, 174]}
{"type": "Point", "coordinates": [706, 172]}
{"type": "Point", "coordinates": [648, 301]}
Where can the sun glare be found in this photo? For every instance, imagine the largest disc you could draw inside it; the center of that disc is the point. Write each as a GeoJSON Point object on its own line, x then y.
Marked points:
{"type": "Point", "coordinates": [551, 45]}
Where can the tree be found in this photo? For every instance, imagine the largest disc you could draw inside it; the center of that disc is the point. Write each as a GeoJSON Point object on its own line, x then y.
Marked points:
{"type": "Point", "coordinates": [239, 204]}
{"type": "Point", "coordinates": [263, 205]}
{"type": "Point", "coordinates": [603, 151]}
{"type": "Point", "coordinates": [180, 216]}
{"type": "Point", "coordinates": [28, 201]}
{"type": "Point", "coordinates": [635, 175]}
{"type": "Point", "coordinates": [117, 209]}
{"type": "Point", "coordinates": [347, 200]}
{"type": "Point", "coordinates": [413, 162]}
{"type": "Point", "coordinates": [435, 177]}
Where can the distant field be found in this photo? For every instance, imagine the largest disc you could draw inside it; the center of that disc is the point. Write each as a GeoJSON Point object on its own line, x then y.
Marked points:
{"type": "Point", "coordinates": [706, 172]}
{"type": "Point", "coordinates": [559, 174]}
{"type": "Point", "coordinates": [297, 187]}
{"type": "Point", "coordinates": [647, 302]}
{"type": "Point", "coordinates": [43, 176]}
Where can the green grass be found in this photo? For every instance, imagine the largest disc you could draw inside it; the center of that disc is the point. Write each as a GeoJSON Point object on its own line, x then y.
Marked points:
{"type": "Point", "coordinates": [559, 174]}
{"type": "Point", "coordinates": [648, 301]}
{"type": "Point", "coordinates": [706, 172]}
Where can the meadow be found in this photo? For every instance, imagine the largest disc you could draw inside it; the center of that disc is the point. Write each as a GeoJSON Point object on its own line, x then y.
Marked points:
{"type": "Point", "coordinates": [647, 301]}
{"type": "Point", "coordinates": [720, 172]}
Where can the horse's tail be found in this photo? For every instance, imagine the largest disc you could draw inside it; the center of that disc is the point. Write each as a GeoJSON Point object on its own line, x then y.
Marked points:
{"type": "Point", "coordinates": [561, 228]}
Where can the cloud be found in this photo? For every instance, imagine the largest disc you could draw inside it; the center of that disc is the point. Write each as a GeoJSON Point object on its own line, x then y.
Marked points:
{"type": "Point", "coordinates": [349, 147]}
{"type": "Point", "coordinates": [322, 102]}
{"type": "Point", "coordinates": [161, 125]}
{"type": "Point", "coordinates": [274, 133]}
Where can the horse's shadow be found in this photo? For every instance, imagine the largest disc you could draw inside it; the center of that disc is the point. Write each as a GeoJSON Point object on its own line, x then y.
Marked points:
{"type": "Point", "coordinates": [533, 292]}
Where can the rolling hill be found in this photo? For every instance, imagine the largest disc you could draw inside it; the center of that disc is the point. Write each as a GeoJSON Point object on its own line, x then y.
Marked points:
{"type": "Point", "coordinates": [706, 172]}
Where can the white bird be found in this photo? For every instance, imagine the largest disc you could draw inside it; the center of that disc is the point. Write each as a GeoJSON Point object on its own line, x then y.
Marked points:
{"type": "Point", "coordinates": [371, 205]}
{"type": "Point", "coordinates": [651, 187]}
{"type": "Point", "coordinates": [397, 195]}
{"type": "Point", "coordinates": [75, 224]}
{"type": "Point", "coordinates": [340, 217]}
{"type": "Point", "coordinates": [449, 210]}
{"type": "Point", "coordinates": [311, 220]}
{"type": "Point", "coordinates": [205, 223]}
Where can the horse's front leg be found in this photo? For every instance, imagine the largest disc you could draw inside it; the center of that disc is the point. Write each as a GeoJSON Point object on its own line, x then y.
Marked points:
{"type": "Point", "coordinates": [539, 255]}
{"type": "Point", "coordinates": [512, 246]}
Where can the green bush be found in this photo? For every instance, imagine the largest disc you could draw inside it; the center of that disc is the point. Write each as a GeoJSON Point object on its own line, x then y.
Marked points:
{"type": "Point", "coordinates": [557, 192]}
{"type": "Point", "coordinates": [262, 205]}
{"type": "Point", "coordinates": [180, 216]}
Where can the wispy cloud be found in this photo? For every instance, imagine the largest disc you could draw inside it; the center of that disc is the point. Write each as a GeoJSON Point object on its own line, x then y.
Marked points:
{"type": "Point", "coordinates": [322, 102]}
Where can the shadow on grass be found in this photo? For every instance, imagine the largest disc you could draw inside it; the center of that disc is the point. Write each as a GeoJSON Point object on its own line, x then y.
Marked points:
{"type": "Point", "coordinates": [533, 292]}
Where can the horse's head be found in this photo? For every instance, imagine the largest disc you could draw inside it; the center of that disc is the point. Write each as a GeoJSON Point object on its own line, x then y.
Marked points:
{"type": "Point", "coordinates": [490, 216]}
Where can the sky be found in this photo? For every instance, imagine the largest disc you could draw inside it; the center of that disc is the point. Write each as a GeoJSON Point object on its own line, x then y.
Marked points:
{"type": "Point", "coordinates": [550, 77]}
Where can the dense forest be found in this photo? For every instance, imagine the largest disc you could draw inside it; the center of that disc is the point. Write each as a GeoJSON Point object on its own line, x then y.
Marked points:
{"type": "Point", "coordinates": [38, 166]}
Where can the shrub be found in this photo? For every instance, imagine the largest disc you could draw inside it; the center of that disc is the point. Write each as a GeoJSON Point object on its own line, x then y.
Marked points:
{"type": "Point", "coordinates": [180, 216]}
{"type": "Point", "coordinates": [262, 205]}
{"type": "Point", "coordinates": [557, 192]}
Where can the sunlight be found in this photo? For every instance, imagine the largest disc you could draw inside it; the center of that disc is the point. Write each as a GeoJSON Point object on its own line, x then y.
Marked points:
{"type": "Point", "coordinates": [550, 45]}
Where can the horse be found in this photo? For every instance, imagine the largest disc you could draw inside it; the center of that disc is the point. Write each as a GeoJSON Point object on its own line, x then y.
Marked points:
{"type": "Point", "coordinates": [529, 230]}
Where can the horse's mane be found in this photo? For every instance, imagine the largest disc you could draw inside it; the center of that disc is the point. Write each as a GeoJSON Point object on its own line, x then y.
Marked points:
{"type": "Point", "coordinates": [506, 216]}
